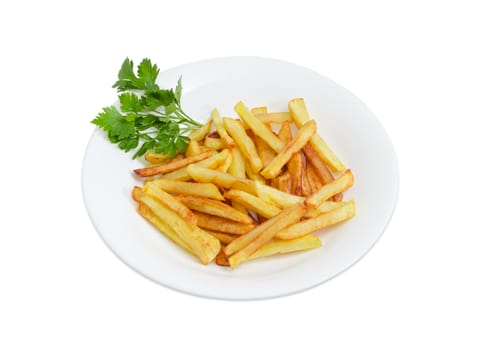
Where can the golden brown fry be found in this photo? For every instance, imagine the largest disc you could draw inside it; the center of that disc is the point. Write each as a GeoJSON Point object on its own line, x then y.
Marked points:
{"type": "Point", "coordinates": [243, 142]}
{"type": "Point", "coordinates": [137, 193]}
{"type": "Point", "coordinates": [258, 127]}
{"type": "Point", "coordinates": [214, 207]}
{"type": "Point", "coordinates": [224, 238]}
{"type": "Point", "coordinates": [295, 168]}
{"type": "Point", "coordinates": [344, 212]}
{"type": "Point", "coordinates": [204, 246]}
{"type": "Point", "coordinates": [212, 162]}
{"type": "Point", "coordinates": [276, 197]}
{"type": "Point", "coordinates": [338, 185]}
{"type": "Point", "coordinates": [265, 152]}
{"type": "Point", "coordinates": [284, 182]}
{"type": "Point", "coordinates": [199, 134]}
{"type": "Point", "coordinates": [323, 208]}
{"type": "Point", "coordinates": [306, 188]}
{"type": "Point", "coordinates": [150, 216]}
{"type": "Point", "coordinates": [155, 191]}
{"type": "Point", "coordinates": [247, 244]}
{"type": "Point", "coordinates": [216, 223]}
{"type": "Point", "coordinates": [223, 167]}
{"type": "Point", "coordinates": [300, 115]}
{"type": "Point", "coordinates": [253, 203]}
{"type": "Point", "coordinates": [206, 190]}
{"type": "Point", "coordinates": [155, 158]}
{"type": "Point", "coordinates": [287, 246]}
{"type": "Point", "coordinates": [259, 110]}
{"type": "Point", "coordinates": [252, 175]}
{"type": "Point", "coordinates": [218, 122]}
{"type": "Point", "coordinates": [173, 165]}
{"type": "Point", "coordinates": [294, 145]}
{"type": "Point", "coordinates": [285, 132]}
{"type": "Point", "coordinates": [220, 179]}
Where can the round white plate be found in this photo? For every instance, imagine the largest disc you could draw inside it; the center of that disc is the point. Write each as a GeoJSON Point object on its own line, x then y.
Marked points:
{"type": "Point", "coordinates": [347, 125]}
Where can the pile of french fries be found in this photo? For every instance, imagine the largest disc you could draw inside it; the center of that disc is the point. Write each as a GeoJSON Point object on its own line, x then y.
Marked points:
{"type": "Point", "coordinates": [248, 187]}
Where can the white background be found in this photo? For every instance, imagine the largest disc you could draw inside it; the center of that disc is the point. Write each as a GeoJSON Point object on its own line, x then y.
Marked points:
{"type": "Point", "coordinates": [416, 64]}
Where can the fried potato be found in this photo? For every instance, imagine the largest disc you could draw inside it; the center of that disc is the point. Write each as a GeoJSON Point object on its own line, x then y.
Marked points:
{"type": "Point", "coordinates": [199, 134]}
{"type": "Point", "coordinates": [252, 175]}
{"type": "Point", "coordinates": [323, 208]}
{"type": "Point", "coordinates": [275, 117]}
{"type": "Point", "coordinates": [338, 185]}
{"type": "Point", "coordinates": [313, 178]}
{"type": "Point", "coordinates": [300, 115]}
{"type": "Point", "coordinates": [295, 168]}
{"type": "Point", "coordinates": [155, 191]}
{"type": "Point", "coordinates": [252, 241]}
{"type": "Point", "coordinates": [258, 127]}
{"type": "Point", "coordinates": [216, 223]}
{"type": "Point", "coordinates": [284, 182]}
{"type": "Point", "coordinates": [156, 158]}
{"type": "Point", "coordinates": [218, 122]}
{"type": "Point", "coordinates": [276, 197]}
{"type": "Point", "coordinates": [204, 246]}
{"type": "Point", "coordinates": [285, 132]}
{"type": "Point", "coordinates": [214, 207]}
{"type": "Point", "coordinates": [171, 166]}
{"type": "Point", "coordinates": [212, 162]}
{"type": "Point", "coordinates": [222, 259]}
{"type": "Point", "coordinates": [193, 148]}
{"type": "Point", "coordinates": [206, 190]}
{"type": "Point", "coordinates": [265, 152]}
{"type": "Point", "coordinates": [224, 238]}
{"type": "Point", "coordinates": [137, 193]}
{"type": "Point", "coordinates": [243, 142]}
{"type": "Point", "coordinates": [344, 212]}
{"type": "Point", "coordinates": [294, 145]}
{"type": "Point", "coordinates": [253, 203]}
{"type": "Point", "coordinates": [306, 187]}
{"type": "Point", "coordinates": [219, 178]}
{"type": "Point", "coordinates": [150, 216]}
{"type": "Point", "coordinates": [223, 167]}
{"type": "Point", "coordinates": [306, 242]}
{"type": "Point", "coordinates": [259, 110]}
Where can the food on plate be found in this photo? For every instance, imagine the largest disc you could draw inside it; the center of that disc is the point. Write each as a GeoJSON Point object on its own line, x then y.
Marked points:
{"type": "Point", "coordinates": [248, 188]}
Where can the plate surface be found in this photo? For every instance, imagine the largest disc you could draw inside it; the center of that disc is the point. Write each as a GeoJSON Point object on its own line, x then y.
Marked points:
{"type": "Point", "coordinates": [347, 125]}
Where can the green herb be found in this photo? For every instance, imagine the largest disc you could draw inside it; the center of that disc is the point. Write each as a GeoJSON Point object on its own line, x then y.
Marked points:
{"type": "Point", "coordinates": [148, 115]}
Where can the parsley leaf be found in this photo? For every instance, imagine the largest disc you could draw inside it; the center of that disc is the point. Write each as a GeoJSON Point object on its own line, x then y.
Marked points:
{"type": "Point", "coordinates": [147, 113]}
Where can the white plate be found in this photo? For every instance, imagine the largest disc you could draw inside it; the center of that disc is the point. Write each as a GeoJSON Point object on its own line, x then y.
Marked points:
{"type": "Point", "coordinates": [343, 121]}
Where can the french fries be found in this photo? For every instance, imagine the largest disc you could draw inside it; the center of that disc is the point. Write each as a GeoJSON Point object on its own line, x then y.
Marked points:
{"type": "Point", "coordinates": [243, 191]}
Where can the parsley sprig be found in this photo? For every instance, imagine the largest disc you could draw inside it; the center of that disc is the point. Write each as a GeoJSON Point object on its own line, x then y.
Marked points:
{"type": "Point", "coordinates": [147, 114]}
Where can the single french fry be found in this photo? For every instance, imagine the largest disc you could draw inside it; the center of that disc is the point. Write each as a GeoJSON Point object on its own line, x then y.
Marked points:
{"type": "Point", "coordinates": [294, 145]}
{"type": "Point", "coordinates": [265, 152]}
{"type": "Point", "coordinates": [240, 207]}
{"type": "Point", "coordinates": [199, 134]}
{"type": "Point", "coordinates": [300, 115]}
{"type": "Point", "coordinates": [306, 188]}
{"type": "Point", "coordinates": [285, 132]}
{"type": "Point", "coordinates": [156, 158]}
{"type": "Point", "coordinates": [340, 184]}
{"type": "Point", "coordinates": [171, 166]}
{"type": "Point", "coordinates": [212, 162]}
{"type": "Point", "coordinates": [206, 190]}
{"type": "Point", "coordinates": [306, 242]}
{"type": "Point", "coordinates": [193, 149]}
{"type": "Point", "coordinates": [284, 182]}
{"type": "Point", "coordinates": [295, 168]}
{"type": "Point", "coordinates": [155, 191]}
{"type": "Point", "coordinates": [201, 174]}
{"type": "Point", "coordinates": [285, 218]}
{"type": "Point", "coordinates": [252, 175]}
{"type": "Point", "coordinates": [237, 167]}
{"type": "Point", "coordinates": [253, 203]}
{"type": "Point", "coordinates": [150, 216]}
{"type": "Point", "coordinates": [258, 127]}
{"type": "Point", "coordinates": [335, 216]}
{"type": "Point", "coordinates": [216, 223]}
{"type": "Point", "coordinates": [243, 142]}
{"type": "Point", "coordinates": [218, 122]}
{"type": "Point", "coordinates": [276, 197]}
{"type": "Point", "coordinates": [204, 246]}
{"type": "Point", "coordinates": [214, 207]}
{"type": "Point", "coordinates": [214, 143]}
